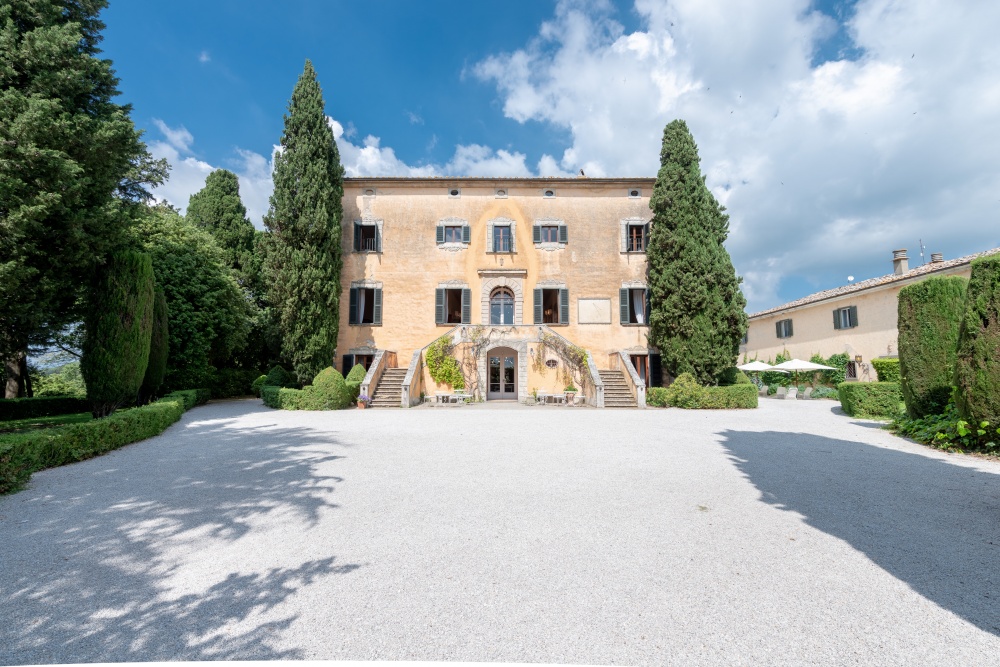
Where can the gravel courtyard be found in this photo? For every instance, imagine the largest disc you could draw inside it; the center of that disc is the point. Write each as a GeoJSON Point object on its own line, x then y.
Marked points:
{"type": "Point", "coordinates": [787, 535]}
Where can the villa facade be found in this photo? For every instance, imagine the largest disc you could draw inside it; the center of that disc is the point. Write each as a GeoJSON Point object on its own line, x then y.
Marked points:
{"type": "Point", "coordinates": [521, 275]}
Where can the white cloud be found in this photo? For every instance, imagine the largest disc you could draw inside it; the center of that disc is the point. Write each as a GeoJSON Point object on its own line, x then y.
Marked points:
{"type": "Point", "coordinates": [414, 118]}
{"type": "Point", "coordinates": [179, 138]}
{"type": "Point", "coordinates": [204, 57]}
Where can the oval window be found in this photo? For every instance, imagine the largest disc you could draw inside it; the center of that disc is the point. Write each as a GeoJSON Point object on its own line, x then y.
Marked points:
{"type": "Point", "coordinates": [550, 193]}
{"type": "Point", "coordinates": [501, 193]}
{"type": "Point", "coordinates": [633, 193]}
{"type": "Point", "coordinates": [454, 193]}
{"type": "Point", "coordinates": [551, 363]}
{"type": "Point", "coordinates": [369, 192]}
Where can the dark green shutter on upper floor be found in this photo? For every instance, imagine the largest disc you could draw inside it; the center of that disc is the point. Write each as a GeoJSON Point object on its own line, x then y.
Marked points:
{"type": "Point", "coordinates": [538, 305]}
{"type": "Point", "coordinates": [377, 309]}
{"type": "Point", "coordinates": [440, 234]}
{"type": "Point", "coordinates": [439, 305]}
{"type": "Point", "coordinates": [466, 305]}
{"type": "Point", "coordinates": [357, 236]}
{"type": "Point", "coordinates": [466, 233]}
{"type": "Point", "coordinates": [563, 234]}
{"type": "Point", "coordinates": [623, 297]}
{"type": "Point", "coordinates": [352, 312]}
{"type": "Point", "coordinates": [536, 234]}
{"type": "Point", "coordinates": [836, 318]}
{"type": "Point", "coordinates": [564, 306]}
{"type": "Point", "coordinates": [853, 313]}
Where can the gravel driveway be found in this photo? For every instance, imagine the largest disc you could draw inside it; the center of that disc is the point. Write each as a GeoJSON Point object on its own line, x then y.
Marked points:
{"type": "Point", "coordinates": [787, 535]}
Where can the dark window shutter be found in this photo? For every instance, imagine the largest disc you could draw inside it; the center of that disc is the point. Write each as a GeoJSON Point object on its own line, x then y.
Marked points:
{"type": "Point", "coordinates": [378, 238]}
{"type": "Point", "coordinates": [648, 308]}
{"type": "Point", "coordinates": [538, 304]}
{"type": "Point", "coordinates": [778, 329]}
{"type": "Point", "coordinates": [623, 305]}
{"type": "Point", "coordinates": [645, 236]}
{"type": "Point", "coordinates": [466, 233]}
{"type": "Point", "coordinates": [536, 234]}
{"type": "Point", "coordinates": [854, 315]}
{"type": "Point", "coordinates": [563, 234]}
{"type": "Point", "coordinates": [564, 306]}
{"type": "Point", "coordinates": [352, 315]}
{"type": "Point", "coordinates": [440, 234]}
{"type": "Point", "coordinates": [377, 309]}
{"type": "Point", "coordinates": [439, 305]}
{"type": "Point", "coordinates": [788, 329]}
{"type": "Point", "coordinates": [357, 236]}
{"type": "Point", "coordinates": [655, 371]}
{"type": "Point", "coordinates": [836, 318]}
{"type": "Point", "coordinates": [466, 305]}
{"type": "Point", "coordinates": [348, 363]}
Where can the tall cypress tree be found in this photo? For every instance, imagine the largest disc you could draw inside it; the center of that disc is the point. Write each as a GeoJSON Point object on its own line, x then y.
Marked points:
{"type": "Point", "coordinates": [71, 161]}
{"type": "Point", "coordinates": [697, 313]}
{"type": "Point", "coordinates": [218, 209]}
{"type": "Point", "coordinates": [302, 264]}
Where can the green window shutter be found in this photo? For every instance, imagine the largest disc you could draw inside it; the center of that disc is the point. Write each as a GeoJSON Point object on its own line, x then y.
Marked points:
{"type": "Point", "coordinates": [357, 236]}
{"type": "Point", "coordinates": [378, 238]}
{"type": "Point", "coordinates": [466, 233]}
{"type": "Point", "coordinates": [836, 318]}
{"type": "Point", "coordinates": [538, 306]}
{"type": "Point", "coordinates": [778, 329]}
{"type": "Point", "coordinates": [853, 312]}
{"type": "Point", "coordinates": [788, 329]}
{"type": "Point", "coordinates": [489, 238]}
{"type": "Point", "coordinates": [623, 305]}
{"type": "Point", "coordinates": [564, 306]}
{"type": "Point", "coordinates": [648, 308]}
{"type": "Point", "coordinates": [348, 363]}
{"type": "Point", "coordinates": [563, 234]}
{"type": "Point", "coordinates": [536, 234]}
{"type": "Point", "coordinates": [352, 314]}
{"type": "Point", "coordinates": [440, 234]}
{"type": "Point", "coordinates": [439, 305]}
{"type": "Point", "coordinates": [645, 237]}
{"type": "Point", "coordinates": [466, 305]}
{"type": "Point", "coordinates": [377, 309]}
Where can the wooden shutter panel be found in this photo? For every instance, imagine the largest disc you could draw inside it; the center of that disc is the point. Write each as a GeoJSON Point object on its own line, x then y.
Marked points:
{"type": "Point", "coordinates": [489, 237]}
{"type": "Point", "coordinates": [648, 309]}
{"type": "Point", "coordinates": [777, 329]}
{"type": "Point", "coordinates": [439, 306]}
{"type": "Point", "coordinates": [377, 310]}
{"type": "Point", "coordinates": [466, 305]}
{"type": "Point", "coordinates": [564, 306]}
{"type": "Point", "coordinates": [645, 236]}
{"type": "Point", "coordinates": [836, 318]}
{"type": "Point", "coordinates": [563, 234]}
{"type": "Point", "coordinates": [655, 371]}
{"type": "Point", "coordinates": [513, 244]}
{"type": "Point", "coordinates": [357, 236]}
{"type": "Point", "coordinates": [623, 305]}
{"type": "Point", "coordinates": [624, 236]}
{"type": "Point", "coordinates": [378, 238]}
{"type": "Point", "coordinates": [440, 234]}
{"type": "Point", "coordinates": [348, 363]}
{"type": "Point", "coordinates": [853, 312]}
{"type": "Point", "coordinates": [538, 306]}
{"type": "Point", "coordinates": [466, 233]}
{"type": "Point", "coordinates": [352, 314]}
{"type": "Point", "coordinates": [536, 234]}
{"type": "Point", "coordinates": [788, 328]}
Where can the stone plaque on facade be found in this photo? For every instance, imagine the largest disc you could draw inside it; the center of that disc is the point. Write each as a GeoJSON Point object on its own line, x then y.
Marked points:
{"type": "Point", "coordinates": [594, 311]}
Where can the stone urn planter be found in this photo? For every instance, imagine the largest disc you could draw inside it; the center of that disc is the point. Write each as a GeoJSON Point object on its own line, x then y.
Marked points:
{"type": "Point", "coordinates": [571, 396]}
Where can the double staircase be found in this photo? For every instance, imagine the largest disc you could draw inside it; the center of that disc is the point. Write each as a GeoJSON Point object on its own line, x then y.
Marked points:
{"type": "Point", "coordinates": [616, 392]}
{"type": "Point", "coordinates": [389, 392]}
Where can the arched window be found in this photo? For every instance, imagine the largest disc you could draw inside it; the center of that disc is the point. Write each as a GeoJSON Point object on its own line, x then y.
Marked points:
{"type": "Point", "coordinates": [502, 306]}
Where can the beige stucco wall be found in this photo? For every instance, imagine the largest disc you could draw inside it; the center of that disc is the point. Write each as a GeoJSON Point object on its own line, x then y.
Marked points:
{"type": "Point", "coordinates": [813, 332]}
{"type": "Point", "coordinates": [411, 264]}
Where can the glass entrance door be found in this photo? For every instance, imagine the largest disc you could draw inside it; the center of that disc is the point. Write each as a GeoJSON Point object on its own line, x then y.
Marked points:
{"type": "Point", "coordinates": [501, 367]}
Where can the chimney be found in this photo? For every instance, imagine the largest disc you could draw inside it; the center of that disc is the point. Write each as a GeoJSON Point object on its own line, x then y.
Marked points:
{"type": "Point", "coordinates": [900, 262]}
{"type": "Point", "coordinates": [936, 258]}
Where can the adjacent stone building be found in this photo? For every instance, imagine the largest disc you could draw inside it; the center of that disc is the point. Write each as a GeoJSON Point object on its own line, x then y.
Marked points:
{"type": "Point", "coordinates": [537, 283]}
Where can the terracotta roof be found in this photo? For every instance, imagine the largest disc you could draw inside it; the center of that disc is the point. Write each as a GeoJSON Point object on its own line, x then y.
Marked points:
{"type": "Point", "coordinates": [920, 271]}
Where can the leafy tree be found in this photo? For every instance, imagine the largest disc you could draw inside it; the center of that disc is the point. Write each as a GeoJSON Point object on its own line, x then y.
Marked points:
{"type": "Point", "coordinates": [119, 323]}
{"type": "Point", "coordinates": [929, 315]}
{"type": "Point", "coordinates": [207, 311]}
{"type": "Point", "coordinates": [72, 166]}
{"type": "Point", "coordinates": [697, 313]}
{"type": "Point", "coordinates": [159, 347]}
{"type": "Point", "coordinates": [302, 265]}
{"type": "Point", "coordinates": [977, 367]}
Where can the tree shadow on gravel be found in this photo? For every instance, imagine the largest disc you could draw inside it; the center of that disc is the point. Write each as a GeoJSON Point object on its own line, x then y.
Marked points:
{"type": "Point", "coordinates": [930, 523]}
{"type": "Point", "coordinates": [87, 578]}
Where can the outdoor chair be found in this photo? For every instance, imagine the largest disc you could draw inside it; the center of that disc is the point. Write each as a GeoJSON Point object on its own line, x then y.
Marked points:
{"type": "Point", "coordinates": [790, 394]}
{"type": "Point", "coordinates": [781, 392]}
{"type": "Point", "coordinates": [807, 393]}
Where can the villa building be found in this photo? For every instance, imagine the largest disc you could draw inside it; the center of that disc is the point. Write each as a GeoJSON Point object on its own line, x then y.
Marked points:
{"type": "Point", "coordinates": [535, 283]}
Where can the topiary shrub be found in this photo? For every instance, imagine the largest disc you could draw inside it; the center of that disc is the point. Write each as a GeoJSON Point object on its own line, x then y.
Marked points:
{"type": "Point", "coordinates": [352, 384]}
{"type": "Point", "coordinates": [737, 396]}
{"type": "Point", "coordinates": [327, 392]}
{"type": "Point", "coordinates": [685, 392]}
{"type": "Point", "coordinates": [870, 400]}
{"type": "Point", "coordinates": [929, 316]}
{"type": "Point", "coordinates": [887, 369]}
{"type": "Point", "coordinates": [279, 377]}
{"type": "Point", "coordinates": [977, 360]}
{"type": "Point", "coordinates": [258, 384]}
{"type": "Point", "coordinates": [731, 376]}
{"type": "Point", "coordinates": [656, 396]}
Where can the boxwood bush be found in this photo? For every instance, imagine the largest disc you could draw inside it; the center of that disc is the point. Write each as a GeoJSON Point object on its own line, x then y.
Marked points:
{"type": "Point", "coordinates": [328, 391]}
{"type": "Point", "coordinates": [685, 392]}
{"type": "Point", "coordinates": [977, 359]}
{"type": "Point", "coordinates": [870, 400]}
{"type": "Point", "coordinates": [21, 454]}
{"type": "Point", "coordinates": [32, 408]}
{"type": "Point", "coordinates": [887, 369]}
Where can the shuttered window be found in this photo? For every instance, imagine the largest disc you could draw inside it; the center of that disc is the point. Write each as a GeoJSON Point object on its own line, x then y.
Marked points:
{"type": "Point", "coordinates": [452, 305]}
{"type": "Point", "coordinates": [549, 233]}
{"type": "Point", "coordinates": [636, 237]}
{"type": "Point", "coordinates": [365, 306]}
{"type": "Point", "coordinates": [633, 304]}
{"type": "Point", "coordinates": [551, 305]}
{"type": "Point", "coordinates": [783, 328]}
{"type": "Point", "coordinates": [367, 237]}
{"type": "Point", "coordinates": [845, 318]}
{"type": "Point", "coordinates": [452, 234]}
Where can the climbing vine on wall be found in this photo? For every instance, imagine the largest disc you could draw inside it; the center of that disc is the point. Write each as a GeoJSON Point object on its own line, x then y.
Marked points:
{"type": "Point", "coordinates": [443, 365]}
{"type": "Point", "coordinates": [574, 357]}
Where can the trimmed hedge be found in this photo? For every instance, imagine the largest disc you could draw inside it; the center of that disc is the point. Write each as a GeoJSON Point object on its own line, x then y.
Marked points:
{"type": "Point", "coordinates": [737, 396]}
{"type": "Point", "coordinates": [45, 406]}
{"type": "Point", "coordinates": [329, 391]}
{"type": "Point", "coordinates": [656, 396]}
{"type": "Point", "coordinates": [685, 392]}
{"type": "Point", "coordinates": [870, 400]}
{"type": "Point", "coordinates": [279, 377]}
{"type": "Point", "coordinates": [731, 376]}
{"type": "Point", "coordinates": [258, 385]}
{"type": "Point", "coordinates": [977, 360]}
{"type": "Point", "coordinates": [22, 454]}
{"type": "Point", "coordinates": [887, 369]}
{"type": "Point", "coordinates": [929, 316]}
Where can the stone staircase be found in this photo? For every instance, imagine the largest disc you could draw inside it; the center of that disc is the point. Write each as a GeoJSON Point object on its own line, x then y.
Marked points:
{"type": "Point", "coordinates": [616, 392]}
{"type": "Point", "coordinates": [389, 391]}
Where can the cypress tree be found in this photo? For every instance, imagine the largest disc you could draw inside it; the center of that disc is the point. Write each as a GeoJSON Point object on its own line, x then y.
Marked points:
{"type": "Point", "coordinates": [977, 367]}
{"type": "Point", "coordinates": [159, 346]}
{"type": "Point", "coordinates": [697, 313]}
{"type": "Point", "coordinates": [302, 264]}
{"type": "Point", "coordinates": [119, 325]}
{"type": "Point", "coordinates": [929, 314]}
{"type": "Point", "coordinates": [218, 209]}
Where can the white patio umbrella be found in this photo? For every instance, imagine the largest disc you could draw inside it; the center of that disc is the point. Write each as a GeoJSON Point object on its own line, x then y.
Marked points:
{"type": "Point", "coordinates": [796, 365]}
{"type": "Point", "coordinates": [759, 366]}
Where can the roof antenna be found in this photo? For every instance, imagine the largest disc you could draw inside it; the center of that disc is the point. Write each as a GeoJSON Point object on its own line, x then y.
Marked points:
{"type": "Point", "coordinates": [921, 252]}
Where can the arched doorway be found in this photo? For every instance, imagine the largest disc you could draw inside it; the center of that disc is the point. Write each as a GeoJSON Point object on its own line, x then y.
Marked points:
{"type": "Point", "coordinates": [501, 374]}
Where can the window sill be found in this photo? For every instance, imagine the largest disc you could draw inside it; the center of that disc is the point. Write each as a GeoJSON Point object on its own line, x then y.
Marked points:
{"type": "Point", "coordinates": [451, 324]}
{"type": "Point", "coordinates": [367, 252]}
{"type": "Point", "coordinates": [633, 252]}
{"type": "Point", "coordinates": [632, 324]}
{"type": "Point", "coordinates": [501, 252]}
{"type": "Point", "coordinates": [367, 324]}
{"type": "Point", "coordinates": [549, 246]}
{"type": "Point", "coordinates": [553, 324]}
{"type": "Point", "coordinates": [452, 245]}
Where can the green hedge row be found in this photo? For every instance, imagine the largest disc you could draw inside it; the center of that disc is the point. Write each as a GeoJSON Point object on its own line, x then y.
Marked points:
{"type": "Point", "coordinates": [685, 392]}
{"type": "Point", "coordinates": [329, 391]}
{"type": "Point", "coordinates": [887, 369]}
{"type": "Point", "coordinates": [870, 400]}
{"type": "Point", "coordinates": [45, 406]}
{"type": "Point", "coordinates": [21, 454]}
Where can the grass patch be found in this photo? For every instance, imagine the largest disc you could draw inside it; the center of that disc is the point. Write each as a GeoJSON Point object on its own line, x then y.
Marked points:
{"type": "Point", "coordinates": [35, 423]}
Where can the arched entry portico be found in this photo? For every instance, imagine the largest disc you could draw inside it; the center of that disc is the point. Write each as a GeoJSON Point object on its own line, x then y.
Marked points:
{"type": "Point", "coordinates": [502, 374]}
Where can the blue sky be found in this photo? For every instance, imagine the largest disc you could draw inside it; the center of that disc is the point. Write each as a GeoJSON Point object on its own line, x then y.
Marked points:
{"type": "Point", "coordinates": [830, 141]}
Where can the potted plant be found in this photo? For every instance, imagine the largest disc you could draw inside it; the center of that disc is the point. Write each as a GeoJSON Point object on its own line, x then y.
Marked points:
{"type": "Point", "coordinates": [570, 394]}
{"type": "Point", "coordinates": [363, 401]}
